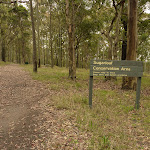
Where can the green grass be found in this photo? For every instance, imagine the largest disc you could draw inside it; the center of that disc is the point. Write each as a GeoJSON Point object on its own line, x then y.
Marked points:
{"type": "Point", "coordinates": [113, 123]}
{"type": "Point", "coordinates": [146, 80]}
{"type": "Point", "coordinates": [4, 63]}
{"type": "Point", "coordinates": [58, 77]}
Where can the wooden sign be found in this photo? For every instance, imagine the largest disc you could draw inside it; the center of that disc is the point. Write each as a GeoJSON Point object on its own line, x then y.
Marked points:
{"type": "Point", "coordinates": [116, 68]}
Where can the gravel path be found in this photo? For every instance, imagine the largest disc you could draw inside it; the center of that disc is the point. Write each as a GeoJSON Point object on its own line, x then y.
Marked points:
{"type": "Point", "coordinates": [26, 120]}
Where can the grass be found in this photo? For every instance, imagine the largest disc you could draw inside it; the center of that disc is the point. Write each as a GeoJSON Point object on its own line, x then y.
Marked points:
{"type": "Point", "coordinates": [113, 123]}
{"type": "Point", "coordinates": [2, 63]}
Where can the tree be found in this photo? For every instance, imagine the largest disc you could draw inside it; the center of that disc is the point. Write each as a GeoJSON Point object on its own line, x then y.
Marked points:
{"type": "Point", "coordinates": [3, 32]}
{"type": "Point", "coordinates": [130, 82]}
{"type": "Point", "coordinates": [74, 29]}
{"type": "Point", "coordinates": [132, 30]}
{"type": "Point", "coordinates": [38, 34]}
{"type": "Point", "coordinates": [71, 36]}
{"type": "Point", "coordinates": [34, 39]}
{"type": "Point", "coordinates": [50, 31]}
{"type": "Point", "coordinates": [19, 19]}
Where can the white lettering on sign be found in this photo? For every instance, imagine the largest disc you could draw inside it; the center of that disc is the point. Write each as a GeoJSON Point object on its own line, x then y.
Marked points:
{"type": "Point", "coordinates": [102, 63]}
{"type": "Point", "coordinates": [105, 68]}
{"type": "Point", "coordinates": [125, 69]}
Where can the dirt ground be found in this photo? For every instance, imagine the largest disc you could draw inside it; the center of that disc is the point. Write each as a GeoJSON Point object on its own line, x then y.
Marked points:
{"type": "Point", "coordinates": [25, 122]}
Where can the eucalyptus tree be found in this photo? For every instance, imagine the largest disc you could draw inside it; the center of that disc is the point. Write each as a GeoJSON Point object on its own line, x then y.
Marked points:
{"type": "Point", "coordinates": [70, 16]}
{"type": "Point", "coordinates": [55, 31]}
{"type": "Point", "coordinates": [50, 33]}
{"type": "Point", "coordinates": [132, 30]}
{"type": "Point", "coordinates": [4, 30]}
{"type": "Point", "coordinates": [34, 39]}
{"type": "Point", "coordinates": [19, 19]}
{"type": "Point", "coordinates": [15, 26]}
{"type": "Point", "coordinates": [38, 32]}
{"type": "Point", "coordinates": [85, 28]}
{"type": "Point", "coordinates": [132, 38]}
{"type": "Point", "coordinates": [76, 14]}
{"type": "Point", "coordinates": [43, 32]}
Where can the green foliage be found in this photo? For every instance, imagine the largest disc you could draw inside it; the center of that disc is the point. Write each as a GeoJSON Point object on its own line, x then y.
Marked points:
{"type": "Point", "coordinates": [20, 11]}
{"type": "Point", "coordinates": [15, 25]}
{"type": "Point", "coordinates": [4, 63]}
{"type": "Point", "coordinates": [92, 18]}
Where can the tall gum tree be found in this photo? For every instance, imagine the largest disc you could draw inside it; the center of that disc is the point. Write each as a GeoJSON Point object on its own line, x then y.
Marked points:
{"type": "Point", "coordinates": [50, 32]}
{"type": "Point", "coordinates": [3, 31]}
{"type": "Point", "coordinates": [130, 82]}
{"type": "Point", "coordinates": [38, 33]}
{"type": "Point", "coordinates": [34, 39]}
{"type": "Point", "coordinates": [71, 35]}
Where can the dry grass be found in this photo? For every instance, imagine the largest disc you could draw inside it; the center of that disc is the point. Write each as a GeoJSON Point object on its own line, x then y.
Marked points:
{"type": "Point", "coordinates": [113, 123]}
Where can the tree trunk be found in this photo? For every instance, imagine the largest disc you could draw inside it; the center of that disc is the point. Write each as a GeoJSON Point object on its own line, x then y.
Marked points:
{"type": "Point", "coordinates": [66, 55]}
{"type": "Point", "coordinates": [60, 45]}
{"type": "Point", "coordinates": [47, 50]}
{"type": "Point", "coordinates": [71, 32]}
{"type": "Point", "coordinates": [50, 40]}
{"type": "Point", "coordinates": [117, 37]}
{"type": "Point", "coordinates": [34, 40]}
{"type": "Point", "coordinates": [77, 62]}
{"type": "Point", "coordinates": [38, 36]}
{"type": "Point", "coordinates": [3, 51]}
{"type": "Point", "coordinates": [3, 46]}
{"type": "Point", "coordinates": [19, 52]}
{"type": "Point", "coordinates": [23, 50]}
{"type": "Point", "coordinates": [132, 39]}
{"type": "Point", "coordinates": [77, 52]}
{"type": "Point", "coordinates": [124, 42]}
{"type": "Point", "coordinates": [124, 48]}
{"type": "Point", "coordinates": [132, 30]}
{"type": "Point", "coordinates": [43, 51]}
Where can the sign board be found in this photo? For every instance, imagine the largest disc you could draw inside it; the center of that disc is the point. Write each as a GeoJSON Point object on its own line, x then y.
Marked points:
{"type": "Point", "coordinates": [116, 68]}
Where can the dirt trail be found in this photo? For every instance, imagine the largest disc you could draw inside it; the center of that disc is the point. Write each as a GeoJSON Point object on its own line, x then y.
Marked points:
{"type": "Point", "coordinates": [25, 121]}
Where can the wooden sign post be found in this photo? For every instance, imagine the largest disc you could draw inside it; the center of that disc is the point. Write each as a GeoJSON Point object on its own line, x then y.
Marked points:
{"type": "Point", "coordinates": [116, 68]}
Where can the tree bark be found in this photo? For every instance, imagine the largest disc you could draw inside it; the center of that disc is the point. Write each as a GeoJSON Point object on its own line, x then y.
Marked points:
{"type": "Point", "coordinates": [34, 40]}
{"type": "Point", "coordinates": [132, 30]}
{"type": "Point", "coordinates": [3, 51]}
{"type": "Point", "coordinates": [23, 47]}
{"type": "Point", "coordinates": [38, 35]}
{"type": "Point", "coordinates": [124, 48]}
{"type": "Point", "coordinates": [43, 48]}
{"type": "Point", "coordinates": [60, 45]}
{"type": "Point", "coordinates": [3, 54]}
{"type": "Point", "coordinates": [124, 42]}
{"type": "Point", "coordinates": [117, 38]}
{"type": "Point", "coordinates": [71, 32]}
{"type": "Point", "coordinates": [47, 50]}
{"type": "Point", "coordinates": [131, 39]}
{"type": "Point", "coordinates": [50, 40]}
{"type": "Point", "coordinates": [77, 52]}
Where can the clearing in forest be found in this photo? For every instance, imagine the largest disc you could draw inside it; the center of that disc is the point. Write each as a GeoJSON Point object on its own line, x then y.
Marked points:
{"type": "Point", "coordinates": [53, 113]}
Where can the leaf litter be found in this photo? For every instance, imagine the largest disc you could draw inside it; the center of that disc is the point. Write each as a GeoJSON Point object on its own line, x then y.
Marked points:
{"type": "Point", "coordinates": [27, 122]}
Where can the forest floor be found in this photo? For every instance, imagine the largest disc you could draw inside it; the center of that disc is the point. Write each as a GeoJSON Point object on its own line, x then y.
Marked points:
{"type": "Point", "coordinates": [25, 122]}
{"type": "Point", "coordinates": [47, 111]}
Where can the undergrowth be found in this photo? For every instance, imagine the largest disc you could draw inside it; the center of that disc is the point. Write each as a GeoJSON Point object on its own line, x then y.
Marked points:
{"type": "Point", "coordinates": [2, 63]}
{"type": "Point", "coordinates": [112, 122]}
